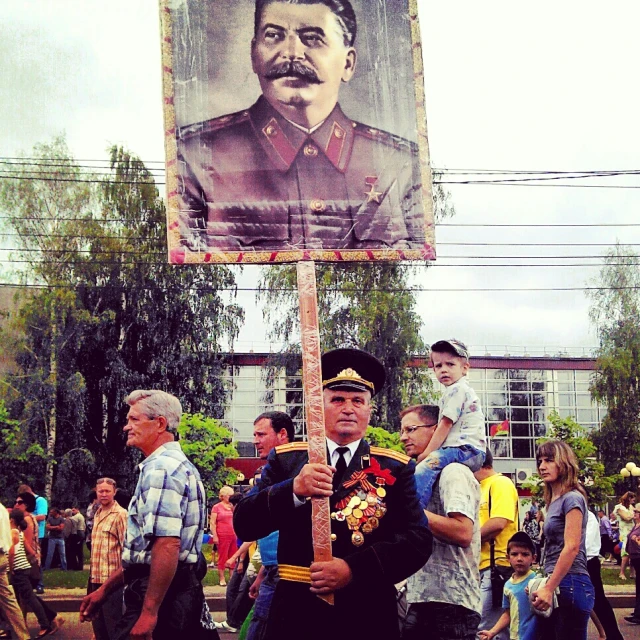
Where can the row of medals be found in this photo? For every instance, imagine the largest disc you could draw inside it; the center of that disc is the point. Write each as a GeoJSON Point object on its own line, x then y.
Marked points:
{"type": "Point", "coordinates": [362, 511]}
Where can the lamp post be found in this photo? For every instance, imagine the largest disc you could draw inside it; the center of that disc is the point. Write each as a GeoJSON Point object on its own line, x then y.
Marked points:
{"type": "Point", "coordinates": [630, 469]}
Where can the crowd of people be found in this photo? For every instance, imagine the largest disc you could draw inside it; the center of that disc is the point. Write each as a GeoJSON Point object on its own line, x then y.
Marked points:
{"type": "Point", "coordinates": [443, 523]}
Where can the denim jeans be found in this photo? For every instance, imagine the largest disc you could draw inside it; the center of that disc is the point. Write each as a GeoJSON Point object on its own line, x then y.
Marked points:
{"type": "Point", "coordinates": [261, 608]}
{"type": "Point", "coordinates": [490, 614]}
{"type": "Point", "coordinates": [575, 602]}
{"type": "Point", "coordinates": [56, 543]}
{"type": "Point", "coordinates": [429, 469]}
{"type": "Point", "coordinates": [439, 621]}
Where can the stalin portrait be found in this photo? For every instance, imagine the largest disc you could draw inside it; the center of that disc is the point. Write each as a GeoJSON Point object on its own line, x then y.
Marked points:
{"type": "Point", "coordinates": [293, 171]}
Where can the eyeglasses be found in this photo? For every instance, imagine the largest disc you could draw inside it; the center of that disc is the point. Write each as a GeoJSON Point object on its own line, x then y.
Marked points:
{"type": "Point", "coordinates": [407, 431]}
{"type": "Point", "coordinates": [19, 502]}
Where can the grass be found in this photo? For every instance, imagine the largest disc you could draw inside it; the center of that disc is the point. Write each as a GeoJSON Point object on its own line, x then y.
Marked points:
{"type": "Point", "coordinates": [58, 579]}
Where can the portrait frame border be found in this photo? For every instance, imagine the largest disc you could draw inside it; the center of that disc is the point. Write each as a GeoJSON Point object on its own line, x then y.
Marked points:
{"type": "Point", "coordinates": [178, 254]}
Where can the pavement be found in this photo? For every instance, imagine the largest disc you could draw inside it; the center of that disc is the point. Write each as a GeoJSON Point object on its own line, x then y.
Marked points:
{"type": "Point", "coordinates": [67, 602]}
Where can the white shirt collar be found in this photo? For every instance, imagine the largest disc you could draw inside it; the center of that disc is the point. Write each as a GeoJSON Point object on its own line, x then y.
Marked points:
{"type": "Point", "coordinates": [307, 131]}
{"type": "Point", "coordinates": [333, 446]}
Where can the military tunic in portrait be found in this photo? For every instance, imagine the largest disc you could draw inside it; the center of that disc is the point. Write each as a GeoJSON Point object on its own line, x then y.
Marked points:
{"type": "Point", "coordinates": [254, 181]}
{"type": "Point", "coordinates": [381, 549]}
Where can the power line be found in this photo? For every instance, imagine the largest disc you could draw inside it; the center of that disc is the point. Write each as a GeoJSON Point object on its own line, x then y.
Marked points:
{"type": "Point", "coordinates": [181, 287]}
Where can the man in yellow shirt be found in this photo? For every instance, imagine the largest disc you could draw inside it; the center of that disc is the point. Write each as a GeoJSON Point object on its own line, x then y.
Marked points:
{"type": "Point", "coordinates": [498, 522]}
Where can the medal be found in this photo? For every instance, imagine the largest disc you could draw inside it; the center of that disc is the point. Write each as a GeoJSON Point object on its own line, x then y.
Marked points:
{"type": "Point", "coordinates": [357, 538]}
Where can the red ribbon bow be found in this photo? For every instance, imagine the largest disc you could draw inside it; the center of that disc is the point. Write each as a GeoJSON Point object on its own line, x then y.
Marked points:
{"type": "Point", "coordinates": [377, 471]}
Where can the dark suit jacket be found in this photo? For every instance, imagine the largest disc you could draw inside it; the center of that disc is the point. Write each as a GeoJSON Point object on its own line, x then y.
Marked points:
{"type": "Point", "coordinates": [253, 181]}
{"type": "Point", "coordinates": [400, 546]}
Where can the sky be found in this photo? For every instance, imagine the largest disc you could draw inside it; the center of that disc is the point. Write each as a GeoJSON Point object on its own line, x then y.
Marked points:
{"type": "Point", "coordinates": [545, 86]}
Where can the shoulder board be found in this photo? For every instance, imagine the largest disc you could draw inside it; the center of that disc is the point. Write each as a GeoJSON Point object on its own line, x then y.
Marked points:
{"type": "Point", "coordinates": [215, 124]}
{"type": "Point", "coordinates": [390, 453]}
{"type": "Point", "coordinates": [385, 137]}
{"type": "Point", "coordinates": [292, 446]}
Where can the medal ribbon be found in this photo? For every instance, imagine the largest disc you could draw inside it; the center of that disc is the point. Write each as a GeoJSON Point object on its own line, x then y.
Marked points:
{"type": "Point", "coordinates": [361, 477]}
{"type": "Point", "coordinates": [376, 470]}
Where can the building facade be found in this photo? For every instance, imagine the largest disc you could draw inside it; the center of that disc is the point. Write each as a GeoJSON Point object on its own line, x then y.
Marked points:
{"type": "Point", "coordinates": [517, 395]}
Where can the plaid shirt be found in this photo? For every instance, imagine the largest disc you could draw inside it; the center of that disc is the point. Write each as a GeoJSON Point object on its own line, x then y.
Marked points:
{"type": "Point", "coordinates": [107, 539]}
{"type": "Point", "coordinates": [169, 501]}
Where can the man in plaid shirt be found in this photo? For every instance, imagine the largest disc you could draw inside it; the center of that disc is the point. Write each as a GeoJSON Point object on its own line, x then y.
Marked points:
{"type": "Point", "coordinates": [163, 596]}
{"type": "Point", "coordinates": [110, 525]}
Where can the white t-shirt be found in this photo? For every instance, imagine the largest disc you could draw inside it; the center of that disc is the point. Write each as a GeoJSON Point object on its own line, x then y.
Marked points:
{"type": "Point", "coordinates": [451, 574]}
{"type": "Point", "coordinates": [460, 403]}
{"type": "Point", "coordinates": [592, 540]}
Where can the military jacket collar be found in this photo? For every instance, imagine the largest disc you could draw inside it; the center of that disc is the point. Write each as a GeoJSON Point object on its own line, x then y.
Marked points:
{"type": "Point", "coordinates": [354, 465]}
{"type": "Point", "coordinates": [282, 141]}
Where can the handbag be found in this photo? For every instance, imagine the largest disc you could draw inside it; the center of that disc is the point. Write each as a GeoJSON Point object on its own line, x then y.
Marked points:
{"type": "Point", "coordinates": [539, 581]}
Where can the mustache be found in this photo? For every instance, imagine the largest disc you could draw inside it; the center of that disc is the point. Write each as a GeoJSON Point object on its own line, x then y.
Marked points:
{"type": "Point", "coordinates": [290, 68]}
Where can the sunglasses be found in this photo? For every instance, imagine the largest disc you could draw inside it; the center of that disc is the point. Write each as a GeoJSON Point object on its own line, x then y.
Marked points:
{"type": "Point", "coordinates": [19, 502]}
{"type": "Point", "coordinates": [409, 430]}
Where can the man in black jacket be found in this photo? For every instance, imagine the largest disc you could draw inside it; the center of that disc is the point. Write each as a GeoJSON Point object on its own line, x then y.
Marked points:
{"type": "Point", "coordinates": [379, 532]}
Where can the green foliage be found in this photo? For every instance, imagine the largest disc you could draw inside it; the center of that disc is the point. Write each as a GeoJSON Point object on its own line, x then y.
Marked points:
{"type": "Point", "coordinates": [615, 312]}
{"type": "Point", "coordinates": [380, 437]}
{"type": "Point", "coordinates": [208, 444]}
{"type": "Point", "coordinates": [113, 316]}
{"type": "Point", "coordinates": [592, 473]}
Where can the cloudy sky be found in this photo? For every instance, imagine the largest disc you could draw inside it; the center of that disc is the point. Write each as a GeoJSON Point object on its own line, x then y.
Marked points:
{"type": "Point", "coordinates": [545, 86]}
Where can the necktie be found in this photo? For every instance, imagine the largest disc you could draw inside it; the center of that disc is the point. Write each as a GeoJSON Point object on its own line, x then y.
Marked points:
{"type": "Point", "coordinates": [341, 467]}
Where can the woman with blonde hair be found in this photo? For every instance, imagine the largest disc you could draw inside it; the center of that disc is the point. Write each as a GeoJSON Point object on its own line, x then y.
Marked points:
{"type": "Point", "coordinates": [222, 533]}
{"type": "Point", "coordinates": [564, 554]}
{"type": "Point", "coordinates": [623, 512]}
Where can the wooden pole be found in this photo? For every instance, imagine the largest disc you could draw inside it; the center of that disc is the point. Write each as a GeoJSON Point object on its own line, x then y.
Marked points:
{"type": "Point", "coordinates": [312, 385]}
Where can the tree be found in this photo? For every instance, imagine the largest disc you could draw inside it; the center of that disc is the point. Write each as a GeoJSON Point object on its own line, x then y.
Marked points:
{"type": "Point", "coordinates": [592, 474]}
{"type": "Point", "coordinates": [112, 315]}
{"type": "Point", "coordinates": [615, 312]}
{"type": "Point", "coordinates": [369, 306]}
{"type": "Point", "coordinates": [208, 444]}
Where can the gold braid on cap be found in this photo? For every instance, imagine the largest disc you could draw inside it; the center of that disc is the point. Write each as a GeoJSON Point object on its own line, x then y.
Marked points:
{"type": "Point", "coordinates": [349, 375]}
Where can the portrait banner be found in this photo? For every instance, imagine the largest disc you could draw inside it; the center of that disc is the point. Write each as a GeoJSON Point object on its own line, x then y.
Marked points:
{"type": "Point", "coordinates": [295, 130]}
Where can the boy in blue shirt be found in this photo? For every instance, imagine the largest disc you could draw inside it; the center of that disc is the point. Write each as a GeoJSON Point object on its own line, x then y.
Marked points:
{"type": "Point", "coordinates": [518, 614]}
{"type": "Point", "coordinates": [460, 435]}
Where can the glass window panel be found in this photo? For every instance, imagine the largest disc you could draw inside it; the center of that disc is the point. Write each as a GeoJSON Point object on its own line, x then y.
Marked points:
{"type": "Point", "coordinates": [500, 447]}
{"type": "Point", "coordinates": [520, 429]}
{"type": "Point", "coordinates": [564, 375]}
{"type": "Point", "coordinates": [587, 415]}
{"type": "Point", "coordinates": [496, 399]}
{"type": "Point", "coordinates": [244, 397]}
{"type": "Point", "coordinates": [496, 385]}
{"type": "Point", "coordinates": [496, 374]}
{"type": "Point", "coordinates": [565, 386]}
{"type": "Point", "coordinates": [522, 447]}
{"type": "Point", "coordinates": [537, 399]}
{"type": "Point", "coordinates": [583, 376]}
{"type": "Point", "coordinates": [582, 386]}
{"type": "Point", "coordinates": [539, 415]}
{"type": "Point", "coordinates": [538, 386]}
{"type": "Point", "coordinates": [519, 400]}
{"type": "Point", "coordinates": [518, 374]}
{"type": "Point", "coordinates": [540, 429]}
{"type": "Point", "coordinates": [518, 386]}
{"type": "Point", "coordinates": [566, 413]}
{"type": "Point", "coordinates": [566, 400]}
{"type": "Point", "coordinates": [520, 415]}
{"type": "Point", "coordinates": [496, 414]}
{"type": "Point", "coordinates": [537, 374]}
{"type": "Point", "coordinates": [583, 400]}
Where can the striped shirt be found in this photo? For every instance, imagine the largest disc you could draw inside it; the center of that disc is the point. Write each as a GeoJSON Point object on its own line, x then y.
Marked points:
{"type": "Point", "coordinates": [107, 540]}
{"type": "Point", "coordinates": [20, 562]}
{"type": "Point", "coordinates": [169, 501]}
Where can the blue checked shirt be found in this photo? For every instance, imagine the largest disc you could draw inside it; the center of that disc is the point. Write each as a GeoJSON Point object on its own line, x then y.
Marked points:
{"type": "Point", "coordinates": [169, 501]}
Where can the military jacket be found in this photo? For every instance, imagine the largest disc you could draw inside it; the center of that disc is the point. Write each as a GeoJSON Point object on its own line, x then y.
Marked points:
{"type": "Point", "coordinates": [394, 549]}
{"type": "Point", "coordinates": [253, 181]}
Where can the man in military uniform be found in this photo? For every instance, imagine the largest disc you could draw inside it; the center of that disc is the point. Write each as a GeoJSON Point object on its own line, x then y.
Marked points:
{"type": "Point", "coordinates": [293, 171]}
{"type": "Point", "coordinates": [379, 533]}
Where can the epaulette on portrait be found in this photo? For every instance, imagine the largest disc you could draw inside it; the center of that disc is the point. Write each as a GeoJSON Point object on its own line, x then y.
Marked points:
{"type": "Point", "coordinates": [292, 446]}
{"type": "Point", "coordinates": [371, 133]}
{"type": "Point", "coordinates": [215, 124]}
{"type": "Point", "coordinates": [390, 453]}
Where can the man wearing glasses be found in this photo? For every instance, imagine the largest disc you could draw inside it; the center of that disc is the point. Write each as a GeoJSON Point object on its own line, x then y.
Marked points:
{"type": "Point", "coordinates": [444, 596]}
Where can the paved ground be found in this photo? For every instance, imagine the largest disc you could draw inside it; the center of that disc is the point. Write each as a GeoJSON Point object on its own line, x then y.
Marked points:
{"type": "Point", "coordinates": [74, 630]}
